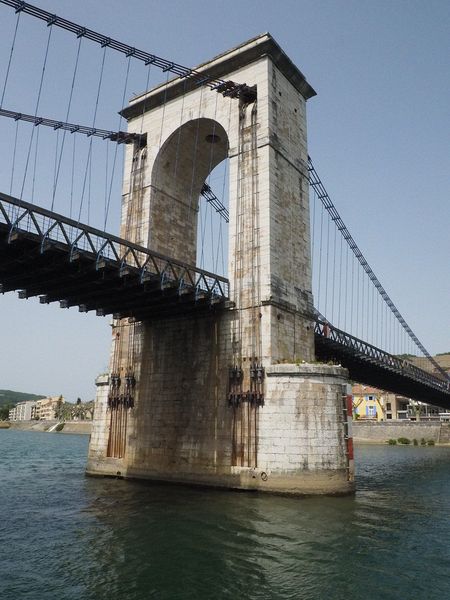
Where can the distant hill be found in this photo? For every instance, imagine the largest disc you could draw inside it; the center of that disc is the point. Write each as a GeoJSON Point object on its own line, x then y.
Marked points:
{"type": "Point", "coordinates": [10, 397]}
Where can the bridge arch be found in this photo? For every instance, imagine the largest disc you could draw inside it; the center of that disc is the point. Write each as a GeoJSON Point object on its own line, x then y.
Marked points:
{"type": "Point", "coordinates": [181, 167]}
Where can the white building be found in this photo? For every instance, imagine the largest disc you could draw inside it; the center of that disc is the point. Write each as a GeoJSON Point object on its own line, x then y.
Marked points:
{"type": "Point", "coordinates": [24, 411]}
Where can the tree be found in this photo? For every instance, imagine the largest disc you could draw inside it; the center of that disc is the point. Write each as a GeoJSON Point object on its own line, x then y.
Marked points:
{"type": "Point", "coordinates": [4, 411]}
{"type": "Point", "coordinates": [58, 410]}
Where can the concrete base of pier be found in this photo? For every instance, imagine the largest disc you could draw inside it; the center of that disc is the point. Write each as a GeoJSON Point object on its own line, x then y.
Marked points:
{"type": "Point", "coordinates": [301, 439]}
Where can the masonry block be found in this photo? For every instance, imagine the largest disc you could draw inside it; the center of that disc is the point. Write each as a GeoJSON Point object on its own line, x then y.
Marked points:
{"type": "Point", "coordinates": [230, 397]}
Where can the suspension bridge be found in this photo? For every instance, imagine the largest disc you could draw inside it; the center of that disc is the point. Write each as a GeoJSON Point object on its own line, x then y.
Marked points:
{"type": "Point", "coordinates": [205, 153]}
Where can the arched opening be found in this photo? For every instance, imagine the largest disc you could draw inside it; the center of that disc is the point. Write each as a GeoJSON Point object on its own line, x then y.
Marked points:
{"type": "Point", "coordinates": [182, 167]}
{"type": "Point", "coordinates": [213, 219]}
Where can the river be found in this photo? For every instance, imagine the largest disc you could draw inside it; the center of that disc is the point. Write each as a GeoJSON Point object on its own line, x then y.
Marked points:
{"type": "Point", "coordinates": [64, 536]}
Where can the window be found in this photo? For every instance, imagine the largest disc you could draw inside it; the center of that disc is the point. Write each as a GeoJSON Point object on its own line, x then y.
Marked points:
{"type": "Point", "coordinates": [388, 406]}
{"type": "Point", "coordinates": [371, 411]}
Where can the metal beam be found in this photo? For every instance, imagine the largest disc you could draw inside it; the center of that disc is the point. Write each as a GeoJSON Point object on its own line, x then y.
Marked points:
{"type": "Point", "coordinates": [121, 137]}
{"type": "Point", "coordinates": [210, 197]}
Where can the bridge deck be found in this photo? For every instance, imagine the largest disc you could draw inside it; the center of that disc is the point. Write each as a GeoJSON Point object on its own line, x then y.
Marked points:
{"type": "Point", "coordinates": [372, 366]}
{"type": "Point", "coordinates": [45, 254]}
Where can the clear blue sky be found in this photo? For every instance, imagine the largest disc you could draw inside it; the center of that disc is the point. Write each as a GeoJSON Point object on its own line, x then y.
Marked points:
{"type": "Point", "coordinates": [378, 133]}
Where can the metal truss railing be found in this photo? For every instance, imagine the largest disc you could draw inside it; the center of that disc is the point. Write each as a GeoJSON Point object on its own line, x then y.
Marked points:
{"type": "Point", "coordinates": [380, 357]}
{"type": "Point", "coordinates": [51, 228]}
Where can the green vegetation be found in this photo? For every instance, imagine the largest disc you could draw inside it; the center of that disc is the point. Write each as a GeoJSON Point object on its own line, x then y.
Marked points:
{"type": "Point", "coordinates": [58, 410]}
{"type": "Point", "coordinates": [443, 354]}
{"type": "Point", "coordinates": [8, 400]}
{"type": "Point", "coordinates": [4, 411]}
{"type": "Point", "coordinates": [80, 410]}
{"type": "Point", "coordinates": [10, 397]}
{"type": "Point", "coordinates": [59, 427]}
{"type": "Point", "coordinates": [406, 441]}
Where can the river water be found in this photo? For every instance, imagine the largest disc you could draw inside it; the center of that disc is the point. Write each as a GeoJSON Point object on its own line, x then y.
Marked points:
{"type": "Point", "coordinates": [65, 536]}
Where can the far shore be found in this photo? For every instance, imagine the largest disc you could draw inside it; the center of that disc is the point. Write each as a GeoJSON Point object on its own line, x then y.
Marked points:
{"type": "Point", "coordinates": [79, 427]}
{"type": "Point", "coordinates": [367, 433]}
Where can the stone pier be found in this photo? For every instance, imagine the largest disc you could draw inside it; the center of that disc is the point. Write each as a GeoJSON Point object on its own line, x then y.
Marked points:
{"type": "Point", "coordinates": [232, 398]}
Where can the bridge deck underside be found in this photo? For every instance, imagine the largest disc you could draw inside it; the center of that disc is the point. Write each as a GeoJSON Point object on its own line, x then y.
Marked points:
{"type": "Point", "coordinates": [364, 369]}
{"type": "Point", "coordinates": [55, 273]}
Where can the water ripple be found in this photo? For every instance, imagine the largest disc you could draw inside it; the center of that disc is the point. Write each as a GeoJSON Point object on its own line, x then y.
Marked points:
{"type": "Point", "coordinates": [64, 536]}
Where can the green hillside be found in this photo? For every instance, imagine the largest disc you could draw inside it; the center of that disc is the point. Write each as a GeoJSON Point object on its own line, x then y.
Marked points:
{"type": "Point", "coordinates": [10, 397]}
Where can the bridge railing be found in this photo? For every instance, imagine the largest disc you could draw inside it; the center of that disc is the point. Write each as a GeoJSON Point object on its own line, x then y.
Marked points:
{"type": "Point", "coordinates": [367, 351]}
{"type": "Point", "coordinates": [51, 228]}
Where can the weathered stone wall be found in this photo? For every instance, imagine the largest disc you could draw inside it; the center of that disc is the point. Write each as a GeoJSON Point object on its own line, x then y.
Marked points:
{"type": "Point", "coordinates": [381, 432]}
{"type": "Point", "coordinates": [181, 422]}
{"type": "Point", "coordinates": [302, 428]}
{"type": "Point", "coordinates": [100, 425]}
{"type": "Point", "coordinates": [181, 426]}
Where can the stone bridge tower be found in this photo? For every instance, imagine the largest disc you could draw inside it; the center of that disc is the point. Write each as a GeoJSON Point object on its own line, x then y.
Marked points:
{"type": "Point", "coordinates": [231, 397]}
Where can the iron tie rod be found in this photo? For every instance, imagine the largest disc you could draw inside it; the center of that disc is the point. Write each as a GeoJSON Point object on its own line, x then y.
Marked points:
{"type": "Point", "coordinates": [121, 137]}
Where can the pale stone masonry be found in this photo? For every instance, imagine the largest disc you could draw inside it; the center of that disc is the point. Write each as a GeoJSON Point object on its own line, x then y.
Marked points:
{"type": "Point", "coordinates": [197, 413]}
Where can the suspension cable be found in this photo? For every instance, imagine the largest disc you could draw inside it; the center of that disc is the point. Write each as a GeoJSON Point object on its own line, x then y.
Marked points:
{"type": "Point", "coordinates": [210, 168]}
{"type": "Point", "coordinates": [37, 107]}
{"type": "Point", "coordinates": [317, 185]}
{"type": "Point", "coordinates": [226, 88]}
{"type": "Point", "coordinates": [10, 59]}
{"type": "Point", "coordinates": [13, 166]}
{"type": "Point", "coordinates": [72, 176]}
{"type": "Point", "coordinates": [88, 170]}
{"type": "Point", "coordinates": [36, 153]}
{"type": "Point", "coordinates": [69, 104]}
{"type": "Point", "coordinates": [113, 170]}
